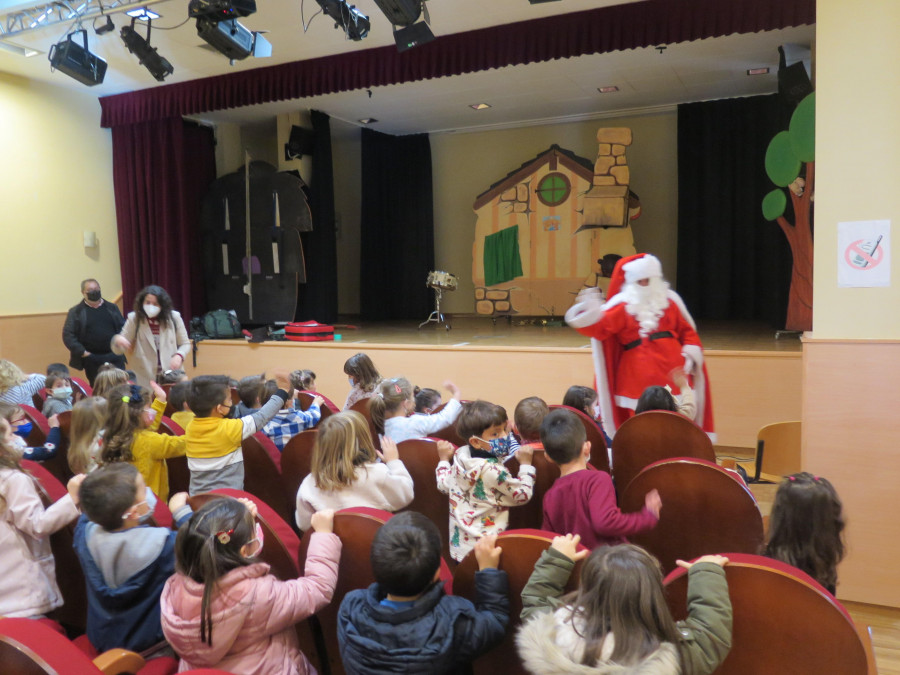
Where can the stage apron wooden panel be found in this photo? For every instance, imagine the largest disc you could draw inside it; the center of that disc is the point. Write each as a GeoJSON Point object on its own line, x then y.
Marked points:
{"type": "Point", "coordinates": [750, 389]}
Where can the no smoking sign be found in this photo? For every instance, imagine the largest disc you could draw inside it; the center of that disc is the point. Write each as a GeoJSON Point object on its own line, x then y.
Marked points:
{"type": "Point", "coordinates": [864, 253]}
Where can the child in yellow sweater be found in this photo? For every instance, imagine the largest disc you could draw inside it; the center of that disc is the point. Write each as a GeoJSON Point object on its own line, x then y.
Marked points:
{"type": "Point", "coordinates": [130, 435]}
{"type": "Point", "coordinates": [214, 450]}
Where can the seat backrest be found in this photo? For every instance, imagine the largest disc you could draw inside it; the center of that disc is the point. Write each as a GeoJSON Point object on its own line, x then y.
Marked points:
{"type": "Point", "coordinates": [81, 389]}
{"type": "Point", "coordinates": [69, 575]}
{"type": "Point", "coordinates": [652, 436]}
{"type": "Point", "coordinates": [169, 426]}
{"type": "Point", "coordinates": [521, 550]}
{"type": "Point", "coordinates": [419, 456]}
{"type": "Point", "coordinates": [599, 451]}
{"type": "Point", "coordinates": [262, 476]}
{"type": "Point", "coordinates": [179, 473]}
{"type": "Point", "coordinates": [29, 647]}
{"type": "Point", "coordinates": [784, 622]}
{"type": "Point", "coordinates": [356, 528]}
{"type": "Point", "coordinates": [362, 407]}
{"type": "Point", "coordinates": [328, 407]}
{"type": "Point", "coordinates": [58, 465]}
{"type": "Point", "coordinates": [531, 515]}
{"type": "Point", "coordinates": [296, 464]}
{"type": "Point", "coordinates": [449, 433]}
{"type": "Point", "coordinates": [39, 429]}
{"type": "Point", "coordinates": [705, 509]}
{"type": "Point", "coordinates": [39, 398]}
{"type": "Point", "coordinates": [778, 449]}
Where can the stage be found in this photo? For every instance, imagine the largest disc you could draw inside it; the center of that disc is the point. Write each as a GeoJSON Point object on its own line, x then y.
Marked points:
{"type": "Point", "coordinates": [755, 378]}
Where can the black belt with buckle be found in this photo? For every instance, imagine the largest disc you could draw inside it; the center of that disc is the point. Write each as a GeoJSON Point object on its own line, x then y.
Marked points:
{"type": "Point", "coordinates": [659, 335]}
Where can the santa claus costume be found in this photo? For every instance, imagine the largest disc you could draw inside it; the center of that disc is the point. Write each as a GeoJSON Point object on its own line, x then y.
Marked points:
{"type": "Point", "coordinates": [638, 337]}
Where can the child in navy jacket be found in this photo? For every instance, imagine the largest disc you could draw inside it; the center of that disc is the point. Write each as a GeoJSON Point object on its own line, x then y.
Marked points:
{"type": "Point", "coordinates": [125, 564]}
{"type": "Point", "coordinates": [404, 623]}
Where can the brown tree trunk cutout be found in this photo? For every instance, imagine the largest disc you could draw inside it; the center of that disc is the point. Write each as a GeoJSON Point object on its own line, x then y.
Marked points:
{"type": "Point", "coordinates": [800, 237]}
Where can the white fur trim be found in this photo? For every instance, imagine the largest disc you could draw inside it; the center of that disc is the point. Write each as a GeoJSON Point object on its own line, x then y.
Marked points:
{"type": "Point", "coordinates": [601, 385]}
{"type": "Point", "coordinates": [584, 314]}
{"type": "Point", "coordinates": [674, 297]}
{"type": "Point", "coordinates": [642, 268]}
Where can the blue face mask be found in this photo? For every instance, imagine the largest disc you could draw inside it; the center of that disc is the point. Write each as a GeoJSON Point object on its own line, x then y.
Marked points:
{"type": "Point", "coordinates": [499, 446]}
{"type": "Point", "coordinates": [23, 429]}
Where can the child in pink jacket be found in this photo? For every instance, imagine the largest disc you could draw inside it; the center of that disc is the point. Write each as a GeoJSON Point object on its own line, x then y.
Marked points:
{"type": "Point", "coordinates": [223, 610]}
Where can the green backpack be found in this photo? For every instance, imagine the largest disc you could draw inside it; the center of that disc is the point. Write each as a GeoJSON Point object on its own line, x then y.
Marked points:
{"type": "Point", "coordinates": [221, 324]}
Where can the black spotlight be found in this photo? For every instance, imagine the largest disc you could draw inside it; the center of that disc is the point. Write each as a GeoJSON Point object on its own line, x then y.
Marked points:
{"type": "Point", "coordinates": [346, 17]}
{"type": "Point", "coordinates": [228, 37]}
{"type": "Point", "coordinates": [221, 10]}
{"type": "Point", "coordinates": [158, 66]}
{"type": "Point", "coordinates": [76, 61]}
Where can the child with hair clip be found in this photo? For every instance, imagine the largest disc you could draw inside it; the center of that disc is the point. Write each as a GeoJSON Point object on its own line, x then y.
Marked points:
{"type": "Point", "coordinates": [303, 380]}
{"type": "Point", "coordinates": [224, 610]}
{"type": "Point", "coordinates": [346, 471]}
{"type": "Point", "coordinates": [130, 435]}
{"type": "Point", "coordinates": [28, 583]}
{"type": "Point", "coordinates": [480, 486]}
{"type": "Point", "coordinates": [806, 527]}
{"type": "Point", "coordinates": [364, 378]}
{"type": "Point", "coordinates": [392, 411]}
{"type": "Point", "coordinates": [618, 621]}
{"type": "Point", "coordinates": [18, 429]}
{"type": "Point", "coordinates": [89, 417]}
{"type": "Point", "coordinates": [59, 394]}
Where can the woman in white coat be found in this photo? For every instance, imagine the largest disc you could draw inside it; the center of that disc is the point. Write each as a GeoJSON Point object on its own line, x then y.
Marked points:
{"type": "Point", "coordinates": [154, 337]}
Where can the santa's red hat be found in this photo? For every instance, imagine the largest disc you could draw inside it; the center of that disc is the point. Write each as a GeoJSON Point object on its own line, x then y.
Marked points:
{"type": "Point", "coordinates": [631, 269]}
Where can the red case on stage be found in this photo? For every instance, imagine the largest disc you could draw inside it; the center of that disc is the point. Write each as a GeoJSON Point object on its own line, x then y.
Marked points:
{"type": "Point", "coordinates": [308, 331]}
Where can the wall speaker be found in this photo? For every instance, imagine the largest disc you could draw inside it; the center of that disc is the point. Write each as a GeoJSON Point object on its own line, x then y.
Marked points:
{"type": "Point", "coordinates": [300, 143]}
{"type": "Point", "coordinates": [413, 36]}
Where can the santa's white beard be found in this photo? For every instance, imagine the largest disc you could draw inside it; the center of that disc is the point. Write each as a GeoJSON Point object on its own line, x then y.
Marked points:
{"type": "Point", "coordinates": [647, 303]}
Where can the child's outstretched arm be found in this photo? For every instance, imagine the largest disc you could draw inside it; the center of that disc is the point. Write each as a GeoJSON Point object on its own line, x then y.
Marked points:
{"type": "Point", "coordinates": [709, 615]}
{"type": "Point", "coordinates": [551, 574]}
{"type": "Point", "coordinates": [477, 632]}
{"type": "Point", "coordinates": [288, 602]}
{"type": "Point", "coordinates": [26, 511]}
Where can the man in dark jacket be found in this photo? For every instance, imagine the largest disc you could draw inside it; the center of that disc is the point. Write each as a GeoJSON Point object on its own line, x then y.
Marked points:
{"type": "Point", "coordinates": [404, 623]}
{"type": "Point", "coordinates": [89, 328]}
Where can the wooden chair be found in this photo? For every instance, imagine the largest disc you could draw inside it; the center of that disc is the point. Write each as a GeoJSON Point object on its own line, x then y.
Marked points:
{"type": "Point", "coordinates": [179, 473]}
{"type": "Point", "coordinates": [521, 550]}
{"type": "Point", "coordinates": [39, 426]}
{"type": "Point", "coordinates": [356, 528]}
{"type": "Point", "coordinates": [262, 474]}
{"type": "Point", "coordinates": [531, 515]}
{"type": "Point", "coordinates": [296, 464]}
{"type": "Point", "coordinates": [69, 575]}
{"type": "Point", "coordinates": [777, 450]}
{"type": "Point", "coordinates": [39, 398]}
{"type": "Point", "coordinates": [58, 465]}
{"type": "Point", "coordinates": [30, 647]}
{"type": "Point", "coordinates": [599, 451]}
{"type": "Point", "coordinates": [652, 436]}
{"type": "Point", "coordinates": [419, 456]}
{"type": "Point", "coordinates": [784, 622]}
{"type": "Point", "coordinates": [706, 509]}
{"type": "Point", "coordinates": [362, 407]}
{"type": "Point", "coordinates": [80, 389]}
{"type": "Point", "coordinates": [328, 406]}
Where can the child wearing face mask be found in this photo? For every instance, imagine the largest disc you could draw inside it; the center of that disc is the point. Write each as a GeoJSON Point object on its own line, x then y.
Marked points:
{"type": "Point", "coordinates": [130, 435]}
{"type": "Point", "coordinates": [480, 486]}
{"type": "Point", "coordinates": [126, 564]}
{"type": "Point", "coordinates": [18, 429]}
{"type": "Point", "coordinates": [363, 377]}
{"type": "Point", "coordinates": [59, 394]}
{"type": "Point", "coordinates": [393, 407]}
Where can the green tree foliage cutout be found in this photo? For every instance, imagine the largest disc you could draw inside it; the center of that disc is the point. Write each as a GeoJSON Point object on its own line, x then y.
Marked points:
{"type": "Point", "coordinates": [786, 156]}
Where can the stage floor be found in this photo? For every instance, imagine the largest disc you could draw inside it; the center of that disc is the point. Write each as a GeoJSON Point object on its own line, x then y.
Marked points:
{"type": "Point", "coordinates": [481, 331]}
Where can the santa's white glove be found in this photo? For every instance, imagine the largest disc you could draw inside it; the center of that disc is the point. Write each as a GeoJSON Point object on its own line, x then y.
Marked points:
{"type": "Point", "coordinates": [590, 295]}
{"type": "Point", "coordinates": [688, 365]}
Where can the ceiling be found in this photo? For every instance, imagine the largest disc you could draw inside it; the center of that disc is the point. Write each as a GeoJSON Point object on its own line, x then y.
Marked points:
{"type": "Point", "coordinates": [559, 90]}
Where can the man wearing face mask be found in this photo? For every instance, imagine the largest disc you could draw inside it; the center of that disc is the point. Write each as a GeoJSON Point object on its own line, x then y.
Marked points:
{"type": "Point", "coordinates": [89, 327]}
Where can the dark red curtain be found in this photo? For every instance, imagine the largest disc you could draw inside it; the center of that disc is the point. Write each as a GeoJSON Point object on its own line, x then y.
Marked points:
{"type": "Point", "coordinates": [620, 27]}
{"type": "Point", "coordinates": [161, 170]}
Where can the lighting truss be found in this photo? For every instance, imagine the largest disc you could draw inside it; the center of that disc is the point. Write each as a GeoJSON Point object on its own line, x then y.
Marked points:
{"type": "Point", "coordinates": [47, 14]}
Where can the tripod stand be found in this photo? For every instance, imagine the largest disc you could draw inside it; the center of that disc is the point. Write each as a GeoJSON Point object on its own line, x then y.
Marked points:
{"type": "Point", "coordinates": [436, 316]}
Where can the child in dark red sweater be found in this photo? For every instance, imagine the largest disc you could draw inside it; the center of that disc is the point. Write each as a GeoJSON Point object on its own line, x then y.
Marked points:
{"type": "Point", "coordinates": [581, 501]}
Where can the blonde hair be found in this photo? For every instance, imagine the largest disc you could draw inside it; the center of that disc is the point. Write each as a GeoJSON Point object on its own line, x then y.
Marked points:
{"type": "Point", "coordinates": [10, 375]}
{"type": "Point", "coordinates": [344, 443]}
{"type": "Point", "coordinates": [88, 418]}
{"type": "Point", "coordinates": [108, 380]}
{"type": "Point", "coordinates": [126, 407]}
{"type": "Point", "coordinates": [391, 395]}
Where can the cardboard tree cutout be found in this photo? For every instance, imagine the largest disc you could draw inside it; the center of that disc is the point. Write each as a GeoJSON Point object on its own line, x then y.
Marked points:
{"type": "Point", "coordinates": [786, 157]}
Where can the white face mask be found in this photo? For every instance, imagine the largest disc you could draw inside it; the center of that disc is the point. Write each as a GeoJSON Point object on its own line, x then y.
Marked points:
{"type": "Point", "coordinates": [151, 310]}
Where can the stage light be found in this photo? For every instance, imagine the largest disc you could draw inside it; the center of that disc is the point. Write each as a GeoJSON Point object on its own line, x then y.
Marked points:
{"type": "Point", "coordinates": [77, 61]}
{"type": "Point", "coordinates": [354, 23]}
{"type": "Point", "coordinates": [158, 66]}
{"type": "Point", "coordinates": [108, 27]}
{"type": "Point", "coordinates": [143, 13]}
{"type": "Point", "coordinates": [220, 10]}
{"type": "Point", "coordinates": [413, 36]}
{"type": "Point", "coordinates": [228, 37]}
{"type": "Point", "coordinates": [401, 12]}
